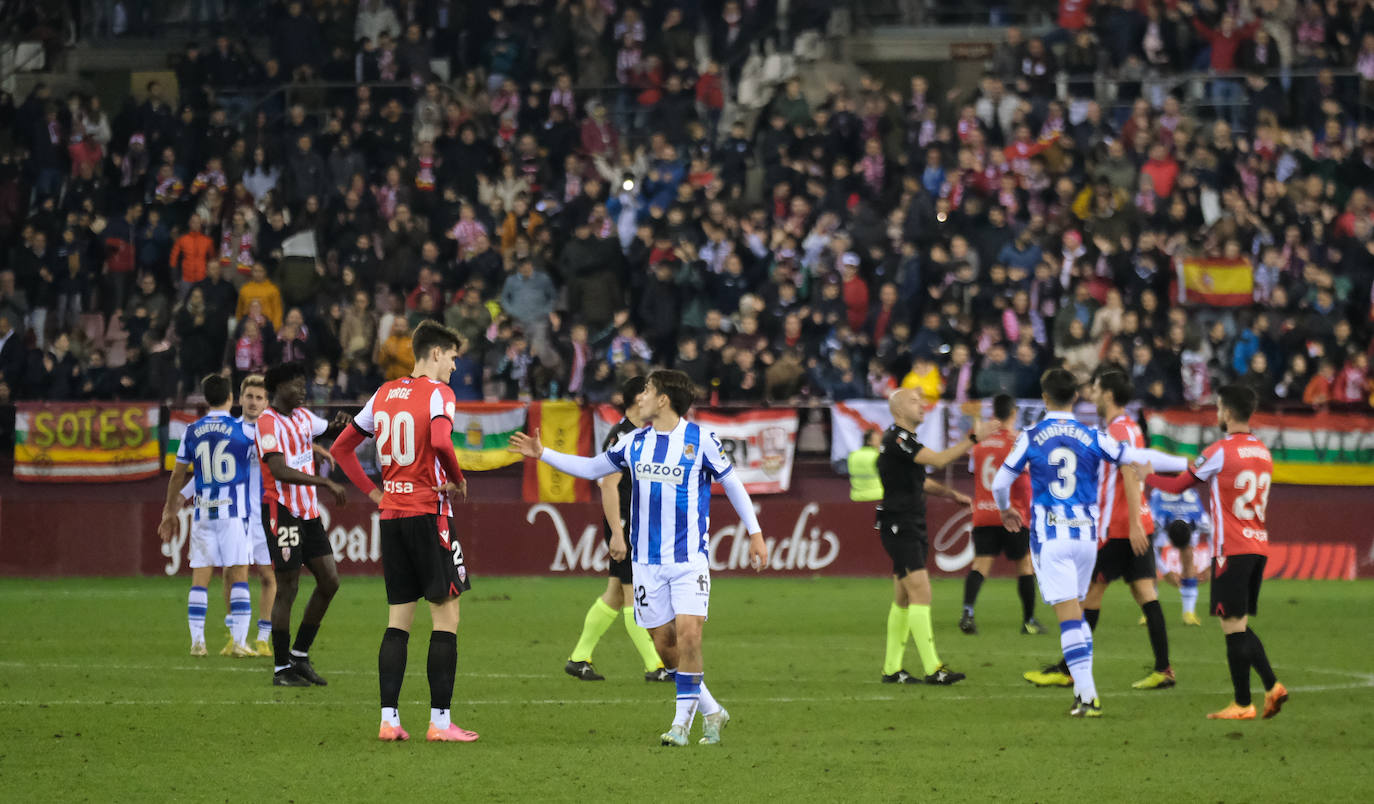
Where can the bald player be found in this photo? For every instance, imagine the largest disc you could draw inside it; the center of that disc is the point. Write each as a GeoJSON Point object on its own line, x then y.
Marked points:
{"type": "Point", "coordinates": [901, 524]}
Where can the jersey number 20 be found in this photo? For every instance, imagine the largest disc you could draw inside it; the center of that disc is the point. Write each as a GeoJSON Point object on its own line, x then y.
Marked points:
{"type": "Point", "coordinates": [396, 438]}
{"type": "Point", "coordinates": [1065, 464]}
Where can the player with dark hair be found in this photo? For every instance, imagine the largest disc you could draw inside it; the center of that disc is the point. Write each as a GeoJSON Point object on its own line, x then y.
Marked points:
{"type": "Point", "coordinates": [412, 418]}
{"type": "Point", "coordinates": [291, 520]}
{"type": "Point", "coordinates": [1179, 548]}
{"type": "Point", "coordinates": [1124, 548]}
{"type": "Point", "coordinates": [1065, 459]}
{"type": "Point", "coordinates": [1239, 470]}
{"type": "Point", "coordinates": [989, 537]}
{"type": "Point", "coordinates": [217, 452]}
{"type": "Point", "coordinates": [614, 602]}
{"type": "Point", "coordinates": [901, 525]}
{"type": "Point", "coordinates": [673, 463]}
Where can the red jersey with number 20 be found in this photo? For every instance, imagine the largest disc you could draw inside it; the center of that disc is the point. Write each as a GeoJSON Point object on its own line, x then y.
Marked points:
{"type": "Point", "coordinates": [398, 416]}
{"type": "Point", "coordinates": [985, 459]}
{"type": "Point", "coordinates": [1239, 469]}
{"type": "Point", "coordinates": [291, 437]}
{"type": "Point", "coordinates": [1111, 491]}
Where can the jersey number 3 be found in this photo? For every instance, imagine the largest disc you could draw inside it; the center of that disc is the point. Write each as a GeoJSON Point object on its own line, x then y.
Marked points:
{"type": "Point", "coordinates": [1065, 465]}
{"type": "Point", "coordinates": [396, 438]}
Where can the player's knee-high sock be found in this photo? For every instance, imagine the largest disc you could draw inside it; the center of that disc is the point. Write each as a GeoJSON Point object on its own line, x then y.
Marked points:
{"type": "Point", "coordinates": [1260, 660]}
{"type": "Point", "coordinates": [305, 637]}
{"type": "Point", "coordinates": [897, 627]}
{"type": "Point", "coordinates": [1238, 659]}
{"type": "Point", "coordinates": [972, 583]}
{"type": "Point", "coordinates": [1078, 656]}
{"type": "Point", "coordinates": [391, 671]}
{"type": "Point", "coordinates": [1088, 642]}
{"type": "Point", "coordinates": [264, 630]}
{"type": "Point", "coordinates": [1188, 590]}
{"type": "Point", "coordinates": [241, 611]}
{"type": "Point", "coordinates": [1159, 636]}
{"type": "Point", "coordinates": [688, 696]}
{"type": "Point", "coordinates": [599, 618]}
{"type": "Point", "coordinates": [918, 619]}
{"type": "Point", "coordinates": [1025, 589]}
{"type": "Point", "coordinates": [196, 603]}
{"type": "Point", "coordinates": [707, 704]}
{"type": "Point", "coordinates": [642, 641]}
{"type": "Point", "coordinates": [442, 666]}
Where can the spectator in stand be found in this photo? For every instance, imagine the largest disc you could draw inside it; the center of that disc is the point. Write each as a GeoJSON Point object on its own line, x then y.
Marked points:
{"type": "Point", "coordinates": [265, 293]}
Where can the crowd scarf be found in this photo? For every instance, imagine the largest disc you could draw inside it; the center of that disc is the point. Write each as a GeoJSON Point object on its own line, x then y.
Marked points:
{"type": "Point", "coordinates": [385, 195]}
{"type": "Point", "coordinates": [466, 232]}
{"type": "Point", "coordinates": [248, 354]}
{"type": "Point", "coordinates": [1146, 201]}
{"type": "Point", "coordinates": [966, 127]}
{"type": "Point", "coordinates": [168, 190]}
{"type": "Point", "coordinates": [424, 177]}
{"type": "Point", "coordinates": [873, 167]}
{"type": "Point", "coordinates": [293, 349]}
{"type": "Point", "coordinates": [869, 125]}
{"type": "Point", "coordinates": [572, 186]}
{"type": "Point", "coordinates": [927, 135]}
{"type": "Point", "coordinates": [240, 254]}
{"type": "Point", "coordinates": [208, 178]}
{"type": "Point", "coordinates": [581, 355]}
{"type": "Point", "coordinates": [607, 229]}
{"type": "Point", "coordinates": [386, 64]}
{"type": "Point", "coordinates": [1009, 201]}
{"type": "Point", "coordinates": [564, 98]}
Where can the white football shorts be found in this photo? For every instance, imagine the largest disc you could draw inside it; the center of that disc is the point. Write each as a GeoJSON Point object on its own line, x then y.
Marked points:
{"type": "Point", "coordinates": [220, 543]}
{"type": "Point", "coordinates": [663, 591]}
{"type": "Point", "coordinates": [257, 535]}
{"type": "Point", "coordinates": [1064, 568]}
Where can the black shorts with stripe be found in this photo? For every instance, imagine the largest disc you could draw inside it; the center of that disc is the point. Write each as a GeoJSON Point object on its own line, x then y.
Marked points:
{"type": "Point", "coordinates": [1236, 584]}
{"type": "Point", "coordinates": [421, 558]}
{"type": "Point", "coordinates": [292, 541]}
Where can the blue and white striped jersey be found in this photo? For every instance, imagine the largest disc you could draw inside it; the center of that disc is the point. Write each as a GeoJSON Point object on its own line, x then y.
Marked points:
{"type": "Point", "coordinates": [1187, 506]}
{"type": "Point", "coordinates": [222, 457]}
{"type": "Point", "coordinates": [1063, 456]}
{"type": "Point", "coordinates": [670, 504]}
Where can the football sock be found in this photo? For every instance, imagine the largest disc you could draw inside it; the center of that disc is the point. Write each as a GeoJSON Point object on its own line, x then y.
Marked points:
{"type": "Point", "coordinates": [1238, 659]}
{"type": "Point", "coordinates": [1025, 589]}
{"type": "Point", "coordinates": [688, 696]}
{"type": "Point", "coordinates": [918, 619]}
{"type": "Point", "coordinates": [972, 583]}
{"type": "Point", "coordinates": [281, 648]}
{"type": "Point", "coordinates": [1188, 590]}
{"type": "Point", "coordinates": [1260, 660]}
{"type": "Point", "coordinates": [1088, 641]}
{"type": "Point", "coordinates": [264, 630]}
{"type": "Point", "coordinates": [896, 639]}
{"type": "Point", "coordinates": [196, 603]}
{"type": "Point", "coordinates": [439, 718]}
{"type": "Point", "coordinates": [599, 618]}
{"type": "Point", "coordinates": [305, 637]}
{"type": "Point", "coordinates": [1159, 637]}
{"type": "Point", "coordinates": [441, 667]}
{"type": "Point", "coordinates": [642, 641]}
{"type": "Point", "coordinates": [240, 611]}
{"type": "Point", "coordinates": [391, 667]}
{"type": "Point", "coordinates": [1078, 655]}
{"type": "Point", "coordinates": [707, 704]}
{"type": "Point", "coordinates": [1090, 616]}
{"type": "Point", "coordinates": [229, 616]}
{"type": "Point", "coordinates": [391, 716]}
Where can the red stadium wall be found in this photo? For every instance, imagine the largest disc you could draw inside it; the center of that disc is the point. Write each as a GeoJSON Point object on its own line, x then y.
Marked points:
{"type": "Point", "coordinates": [1322, 532]}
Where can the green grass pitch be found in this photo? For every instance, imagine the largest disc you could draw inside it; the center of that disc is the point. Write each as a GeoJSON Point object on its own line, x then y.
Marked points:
{"type": "Point", "coordinates": [101, 703]}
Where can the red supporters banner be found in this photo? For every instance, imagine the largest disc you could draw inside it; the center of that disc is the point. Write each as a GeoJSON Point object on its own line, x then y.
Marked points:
{"type": "Point", "coordinates": [86, 443]}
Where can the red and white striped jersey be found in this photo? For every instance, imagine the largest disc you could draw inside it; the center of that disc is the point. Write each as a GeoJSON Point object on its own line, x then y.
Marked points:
{"type": "Point", "coordinates": [291, 437]}
{"type": "Point", "coordinates": [1111, 491]}
{"type": "Point", "coordinates": [1239, 469]}
{"type": "Point", "coordinates": [399, 416]}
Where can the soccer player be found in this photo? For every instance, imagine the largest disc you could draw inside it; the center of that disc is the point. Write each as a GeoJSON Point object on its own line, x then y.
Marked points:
{"type": "Point", "coordinates": [420, 555]}
{"type": "Point", "coordinates": [901, 524]}
{"type": "Point", "coordinates": [613, 603]}
{"type": "Point", "coordinates": [673, 463]}
{"type": "Point", "coordinates": [1124, 550]}
{"type": "Point", "coordinates": [1181, 519]}
{"type": "Point", "coordinates": [989, 537]}
{"type": "Point", "coordinates": [253, 401]}
{"type": "Point", "coordinates": [291, 518]}
{"type": "Point", "coordinates": [217, 452]}
{"type": "Point", "coordinates": [1064, 457]}
{"type": "Point", "coordinates": [1239, 470]}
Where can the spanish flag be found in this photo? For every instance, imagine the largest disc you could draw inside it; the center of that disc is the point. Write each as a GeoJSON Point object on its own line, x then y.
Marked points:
{"type": "Point", "coordinates": [567, 427]}
{"type": "Point", "coordinates": [1215, 282]}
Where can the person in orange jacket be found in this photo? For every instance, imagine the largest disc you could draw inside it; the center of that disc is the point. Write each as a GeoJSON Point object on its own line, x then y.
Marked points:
{"type": "Point", "coordinates": [190, 253]}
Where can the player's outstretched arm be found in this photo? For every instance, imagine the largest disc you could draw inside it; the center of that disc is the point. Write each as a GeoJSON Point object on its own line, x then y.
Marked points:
{"type": "Point", "coordinates": [344, 452]}
{"type": "Point", "coordinates": [167, 526]}
{"type": "Point", "coordinates": [941, 490]}
{"type": "Point", "coordinates": [1175, 484]}
{"type": "Point", "coordinates": [575, 465]}
{"type": "Point", "coordinates": [744, 507]}
{"type": "Point", "coordinates": [1161, 461]}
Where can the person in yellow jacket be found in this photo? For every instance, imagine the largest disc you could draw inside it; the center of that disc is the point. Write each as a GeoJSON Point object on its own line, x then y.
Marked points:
{"type": "Point", "coordinates": [261, 289]}
{"type": "Point", "coordinates": [924, 377]}
{"type": "Point", "coordinates": [864, 483]}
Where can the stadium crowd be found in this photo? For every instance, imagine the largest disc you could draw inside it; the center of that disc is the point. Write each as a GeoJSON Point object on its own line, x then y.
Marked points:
{"type": "Point", "coordinates": [586, 198]}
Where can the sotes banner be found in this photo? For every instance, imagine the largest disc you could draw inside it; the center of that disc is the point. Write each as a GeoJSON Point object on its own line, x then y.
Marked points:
{"type": "Point", "coordinates": [1323, 449]}
{"type": "Point", "coordinates": [86, 443]}
{"type": "Point", "coordinates": [762, 445]}
{"type": "Point", "coordinates": [1215, 282]}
